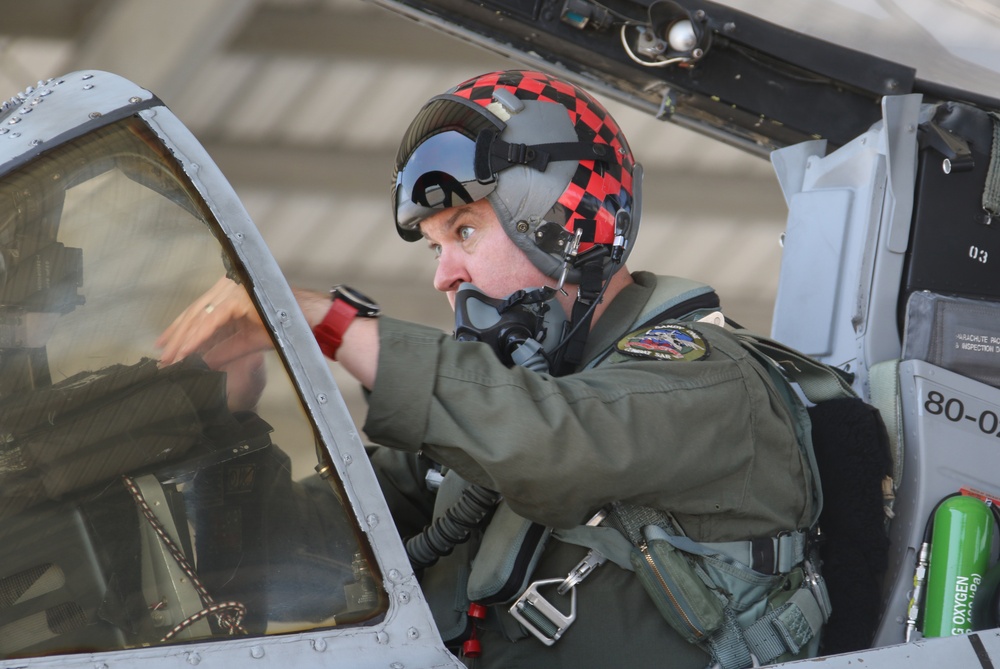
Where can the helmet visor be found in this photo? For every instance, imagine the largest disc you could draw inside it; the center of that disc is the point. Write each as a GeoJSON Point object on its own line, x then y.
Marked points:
{"type": "Point", "coordinates": [439, 174]}
{"type": "Point", "coordinates": [436, 163]}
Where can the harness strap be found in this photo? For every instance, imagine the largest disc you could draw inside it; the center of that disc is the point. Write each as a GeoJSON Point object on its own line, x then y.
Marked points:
{"type": "Point", "coordinates": [784, 630]}
{"type": "Point", "coordinates": [787, 628]}
{"type": "Point", "coordinates": [768, 555]}
{"type": "Point", "coordinates": [730, 648]}
{"type": "Point", "coordinates": [883, 381]}
{"type": "Point", "coordinates": [819, 382]}
{"type": "Point", "coordinates": [991, 191]}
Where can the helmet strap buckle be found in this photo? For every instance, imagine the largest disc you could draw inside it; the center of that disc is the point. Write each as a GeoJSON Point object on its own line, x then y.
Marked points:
{"type": "Point", "coordinates": [493, 155]}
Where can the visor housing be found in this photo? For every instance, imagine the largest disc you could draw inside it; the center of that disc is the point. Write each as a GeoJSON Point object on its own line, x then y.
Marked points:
{"type": "Point", "coordinates": [435, 165]}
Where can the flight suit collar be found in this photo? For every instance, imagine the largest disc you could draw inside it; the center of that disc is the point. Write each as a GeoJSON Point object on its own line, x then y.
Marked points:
{"type": "Point", "coordinates": [640, 302]}
{"type": "Point", "coordinates": [624, 309]}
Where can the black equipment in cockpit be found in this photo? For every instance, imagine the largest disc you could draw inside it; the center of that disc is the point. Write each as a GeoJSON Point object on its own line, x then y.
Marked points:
{"type": "Point", "coordinates": [40, 277]}
{"type": "Point", "coordinates": [955, 243]}
{"type": "Point", "coordinates": [135, 509]}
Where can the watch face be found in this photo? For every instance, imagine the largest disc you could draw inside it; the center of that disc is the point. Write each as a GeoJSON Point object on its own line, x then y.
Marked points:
{"type": "Point", "coordinates": [364, 304]}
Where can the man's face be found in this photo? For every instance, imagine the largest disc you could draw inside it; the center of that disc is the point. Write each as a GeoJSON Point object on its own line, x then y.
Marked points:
{"type": "Point", "coordinates": [471, 246]}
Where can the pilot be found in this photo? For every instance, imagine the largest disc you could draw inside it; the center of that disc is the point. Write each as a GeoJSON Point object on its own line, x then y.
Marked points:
{"type": "Point", "coordinates": [651, 486]}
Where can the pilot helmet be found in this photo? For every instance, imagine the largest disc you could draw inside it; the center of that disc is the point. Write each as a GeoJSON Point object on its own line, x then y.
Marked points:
{"type": "Point", "coordinates": [548, 157]}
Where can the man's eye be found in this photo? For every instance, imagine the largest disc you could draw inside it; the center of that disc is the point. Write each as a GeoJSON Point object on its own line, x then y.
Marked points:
{"type": "Point", "coordinates": [436, 250]}
{"type": "Point", "coordinates": [465, 232]}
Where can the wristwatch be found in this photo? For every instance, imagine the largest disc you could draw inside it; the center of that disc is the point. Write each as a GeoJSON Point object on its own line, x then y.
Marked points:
{"type": "Point", "coordinates": [346, 305]}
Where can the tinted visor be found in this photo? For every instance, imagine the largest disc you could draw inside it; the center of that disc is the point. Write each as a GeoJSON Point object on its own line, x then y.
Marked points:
{"type": "Point", "coordinates": [435, 166]}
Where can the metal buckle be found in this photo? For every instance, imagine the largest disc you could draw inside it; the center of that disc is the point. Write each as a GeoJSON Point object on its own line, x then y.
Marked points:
{"type": "Point", "coordinates": [531, 610]}
{"type": "Point", "coordinates": [817, 586]}
{"type": "Point", "coordinates": [784, 559]}
{"type": "Point", "coordinates": [535, 612]}
{"type": "Point", "coordinates": [589, 563]}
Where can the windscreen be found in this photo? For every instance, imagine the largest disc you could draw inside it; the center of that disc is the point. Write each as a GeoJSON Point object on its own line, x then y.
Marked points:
{"type": "Point", "coordinates": [143, 503]}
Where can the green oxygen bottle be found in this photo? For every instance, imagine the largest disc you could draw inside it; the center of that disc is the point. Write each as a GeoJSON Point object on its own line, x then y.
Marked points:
{"type": "Point", "coordinates": [961, 541]}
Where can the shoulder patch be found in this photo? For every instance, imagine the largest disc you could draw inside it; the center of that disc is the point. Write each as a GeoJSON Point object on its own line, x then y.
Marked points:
{"type": "Point", "coordinates": [666, 341]}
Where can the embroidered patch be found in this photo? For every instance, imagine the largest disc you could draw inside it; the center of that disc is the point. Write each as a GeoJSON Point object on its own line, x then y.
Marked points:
{"type": "Point", "coordinates": [666, 341]}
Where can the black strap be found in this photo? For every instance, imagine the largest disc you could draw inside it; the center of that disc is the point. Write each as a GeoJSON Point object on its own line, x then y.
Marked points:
{"type": "Point", "coordinates": [591, 282]}
{"type": "Point", "coordinates": [493, 155]}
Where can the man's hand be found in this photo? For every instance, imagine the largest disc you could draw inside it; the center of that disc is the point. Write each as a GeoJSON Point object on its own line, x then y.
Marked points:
{"type": "Point", "coordinates": [222, 325]}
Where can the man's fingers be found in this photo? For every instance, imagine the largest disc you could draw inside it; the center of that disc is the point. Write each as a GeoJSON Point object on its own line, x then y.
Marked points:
{"type": "Point", "coordinates": [205, 304]}
{"type": "Point", "coordinates": [225, 304]}
{"type": "Point", "coordinates": [231, 346]}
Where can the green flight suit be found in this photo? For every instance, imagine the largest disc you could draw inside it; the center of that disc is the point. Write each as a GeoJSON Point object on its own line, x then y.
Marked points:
{"type": "Point", "coordinates": [707, 440]}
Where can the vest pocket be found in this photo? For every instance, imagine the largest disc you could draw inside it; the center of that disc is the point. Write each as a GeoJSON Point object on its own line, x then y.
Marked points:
{"type": "Point", "coordinates": [691, 608]}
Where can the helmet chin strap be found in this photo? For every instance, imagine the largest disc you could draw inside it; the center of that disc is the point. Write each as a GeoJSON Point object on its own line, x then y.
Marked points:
{"type": "Point", "coordinates": [592, 286]}
{"type": "Point", "coordinates": [595, 277]}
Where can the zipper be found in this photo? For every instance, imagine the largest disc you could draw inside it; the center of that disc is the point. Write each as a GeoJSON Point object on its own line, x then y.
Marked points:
{"type": "Point", "coordinates": [649, 558]}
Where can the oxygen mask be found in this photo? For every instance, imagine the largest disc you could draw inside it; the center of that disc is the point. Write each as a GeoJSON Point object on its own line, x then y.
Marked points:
{"type": "Point", "coordinates": [523, 329]}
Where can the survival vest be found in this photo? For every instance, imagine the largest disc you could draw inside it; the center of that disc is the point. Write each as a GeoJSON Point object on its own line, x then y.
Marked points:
{"type": "Point", "coordinates": [745, 602]}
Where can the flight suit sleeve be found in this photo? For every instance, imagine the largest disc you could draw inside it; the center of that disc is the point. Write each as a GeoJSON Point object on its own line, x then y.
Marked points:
{"type": "Point", "coordinates": [697, 438]}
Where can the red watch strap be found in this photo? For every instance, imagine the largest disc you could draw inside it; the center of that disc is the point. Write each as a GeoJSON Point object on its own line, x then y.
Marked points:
{"type": "Point", "coordinates": [330, 331]}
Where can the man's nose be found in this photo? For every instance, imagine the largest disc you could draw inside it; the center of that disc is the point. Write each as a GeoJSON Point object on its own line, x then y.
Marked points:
{"type": "Point", "coordinates": [451, 271]}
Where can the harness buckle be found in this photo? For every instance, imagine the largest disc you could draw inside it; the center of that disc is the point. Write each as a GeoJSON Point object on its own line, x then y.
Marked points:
{"type": "Point", "coordinates": [520, 154]}
{"type": "Point", "coordinates": [539, 616]}
{"type": "Point", "coordinates": [582, 570]}
{"type": "Point", "coordinates": [817, 586]}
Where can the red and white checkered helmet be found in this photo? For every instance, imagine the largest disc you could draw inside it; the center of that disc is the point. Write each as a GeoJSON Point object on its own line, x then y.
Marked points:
{"type": "Point", "coordinates": [548, 157]}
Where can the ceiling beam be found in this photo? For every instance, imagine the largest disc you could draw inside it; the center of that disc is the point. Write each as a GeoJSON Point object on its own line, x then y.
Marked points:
{"type": "Point", "coordinates": [47, 19]}
{"type": "Point", "coordinates": [372, 34]}
{"type": "Point", "coordinates": [159, 45]}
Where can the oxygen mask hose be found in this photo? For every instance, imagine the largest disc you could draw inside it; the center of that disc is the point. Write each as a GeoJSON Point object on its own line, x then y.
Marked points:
{"type": "Point", "coordinates": [518, 329]}
{"type": "Point", "coordinates": [454, 527]}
